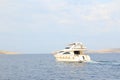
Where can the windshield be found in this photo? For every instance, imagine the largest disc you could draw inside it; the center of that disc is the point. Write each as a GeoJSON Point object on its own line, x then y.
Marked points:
{"type": "Point", "coordinates": [61, 51]}
{"type": "Point", "coordinates": [67, 48]}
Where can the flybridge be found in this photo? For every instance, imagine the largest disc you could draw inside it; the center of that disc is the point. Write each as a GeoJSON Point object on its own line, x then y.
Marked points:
{"type": "Point", "coordinates": [75, 46]}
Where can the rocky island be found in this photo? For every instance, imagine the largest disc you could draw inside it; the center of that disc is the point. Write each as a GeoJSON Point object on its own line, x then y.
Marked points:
{"type": "Point", "coordinates": [113, 50]}
{"type": "Point", "coordinates": [7, 52]}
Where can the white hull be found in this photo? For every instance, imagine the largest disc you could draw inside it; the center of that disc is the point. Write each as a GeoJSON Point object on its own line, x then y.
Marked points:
{"type": "Point", "coordinates": [69, 58]}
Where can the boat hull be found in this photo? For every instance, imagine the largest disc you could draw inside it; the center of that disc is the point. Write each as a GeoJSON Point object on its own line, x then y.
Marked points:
{"type": "Point", "coordinates": [69, 58]}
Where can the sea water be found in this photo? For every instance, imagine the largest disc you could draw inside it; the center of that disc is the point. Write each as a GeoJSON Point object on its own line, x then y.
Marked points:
{"type": "Point", "coordinates": [45, 67]}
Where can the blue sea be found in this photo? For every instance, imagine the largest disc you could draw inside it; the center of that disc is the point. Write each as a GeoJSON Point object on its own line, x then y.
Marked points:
{"type": "Point", "coordinates": [45, 67]}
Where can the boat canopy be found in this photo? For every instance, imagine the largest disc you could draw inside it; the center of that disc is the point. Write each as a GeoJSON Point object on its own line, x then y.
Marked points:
{"type": "Point", "coordinates": [76, 45]}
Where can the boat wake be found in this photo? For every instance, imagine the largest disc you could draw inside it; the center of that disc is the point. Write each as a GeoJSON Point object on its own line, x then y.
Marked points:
{"type": "Point", "coordinates": [93, 61]}
{"type": "Point", "coordinates": [105, 62]}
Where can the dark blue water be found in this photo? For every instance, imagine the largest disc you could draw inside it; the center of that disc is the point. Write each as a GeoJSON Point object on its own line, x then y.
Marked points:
{"type": "Point", "coordinates": [44, 67]}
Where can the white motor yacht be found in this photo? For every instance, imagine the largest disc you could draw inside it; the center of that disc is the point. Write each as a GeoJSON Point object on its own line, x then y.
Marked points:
{"type": "Point", "coordinates": [74, 52]}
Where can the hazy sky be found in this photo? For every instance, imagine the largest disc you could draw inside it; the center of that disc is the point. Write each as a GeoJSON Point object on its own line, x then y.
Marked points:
{"type": "Point", "coordinates": [47, 25]}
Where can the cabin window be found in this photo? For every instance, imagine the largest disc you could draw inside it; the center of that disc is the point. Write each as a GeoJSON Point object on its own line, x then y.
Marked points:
{"type": "Point", "coordinates": [83, 57]}
{"type": "Point", "coordinates": [77, 52]}
{"type": "Point", "coordinates": [66, 53]}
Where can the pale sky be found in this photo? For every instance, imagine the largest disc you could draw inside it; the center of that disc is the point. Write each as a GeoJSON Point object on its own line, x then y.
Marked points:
{"type": "Point", "coordinates": [43, 26]}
